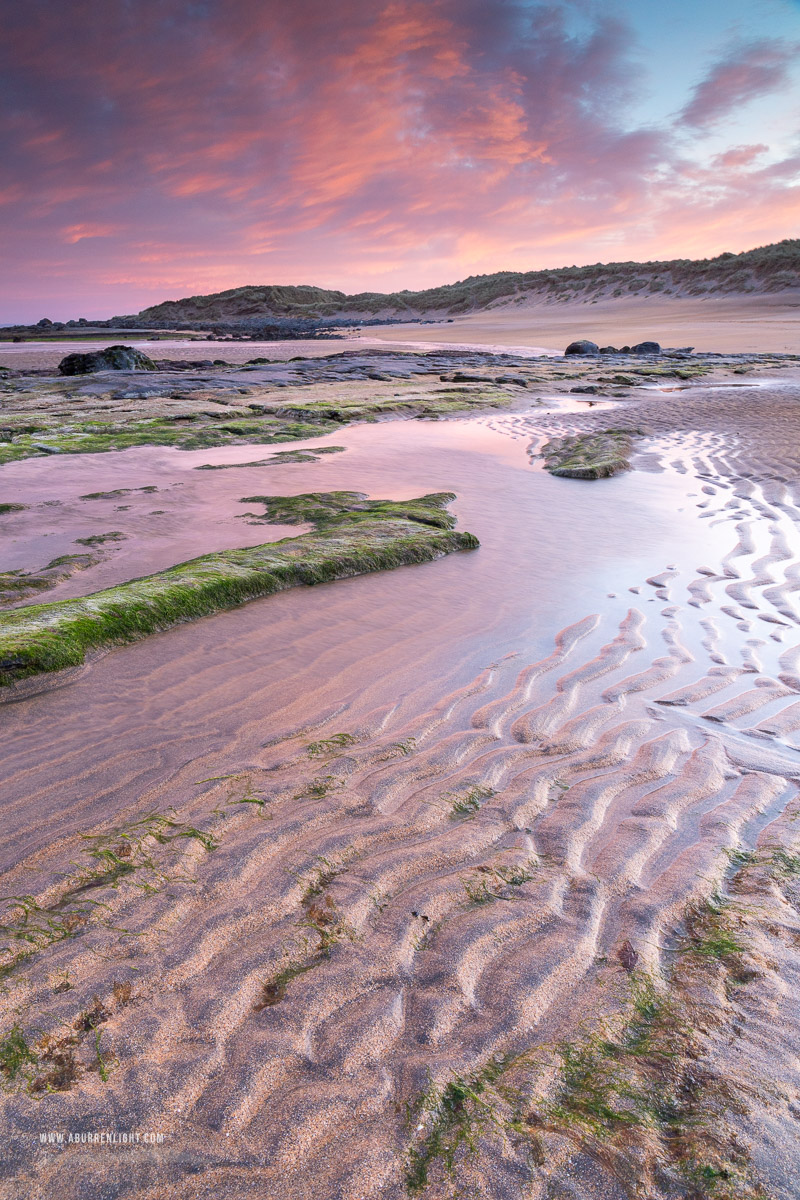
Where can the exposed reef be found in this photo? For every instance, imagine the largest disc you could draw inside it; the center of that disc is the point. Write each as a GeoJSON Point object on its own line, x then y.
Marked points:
{"type": "Point", "coordinates": [589, 456]}
{"type": "Point", "coordinates": [353, 536]}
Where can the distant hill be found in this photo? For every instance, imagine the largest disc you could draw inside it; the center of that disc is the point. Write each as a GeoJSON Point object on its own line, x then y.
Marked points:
{"type": "Point", "coordinates": [772, 268]}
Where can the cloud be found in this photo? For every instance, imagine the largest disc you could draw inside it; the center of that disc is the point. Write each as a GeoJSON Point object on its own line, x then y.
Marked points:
{"type": "Point", "coordinates": [747, 73]}
{"type": "Point", "coordinates": [177, 146]}
{"type": "Point", "coordinates": [739, 156]}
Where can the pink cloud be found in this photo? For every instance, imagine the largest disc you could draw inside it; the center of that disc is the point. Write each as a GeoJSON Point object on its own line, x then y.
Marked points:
{"type": "Point", "coordinates": [357, 144]}
{"type": "Point", "coordinates": [747, 73]}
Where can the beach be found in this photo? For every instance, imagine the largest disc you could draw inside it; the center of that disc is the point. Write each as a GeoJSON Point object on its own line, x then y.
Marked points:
{"type": "Point", "coordinates": [477, 876]}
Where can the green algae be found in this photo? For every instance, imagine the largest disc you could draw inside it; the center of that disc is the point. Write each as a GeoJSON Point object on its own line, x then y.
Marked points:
{"type": "Point", "coordinates": [589, 456]}
{"type": "Point", "coordinates": [354, 536]}
{"type": "Point", "coordinates": [96, 439]}
{"type": "Point", "coordinates": [279, 458]}
{"type": "Point", "coordinates": [97, 539]}
{"type": "Point", "coordinates": [17, 584]}
{"type": "Point", "coordinates": [325, 509]}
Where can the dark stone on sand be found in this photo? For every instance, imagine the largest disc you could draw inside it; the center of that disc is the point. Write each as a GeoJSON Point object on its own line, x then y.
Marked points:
{"type": "Point", "coordinates": [582, 347]}
{"type": "Point", "coordinates": [113, 358]}
{"type": "Point", "coordinates": [627, 956]}
{"type": "Point", "coordinates": [647, 348]}
{"type": "Point", "coordinates": [609, 350]}
{"type": "Point", "coordinates": [588, 389]}
{"type": "Point", "coordinates": [625, 350]}
{"type": "Point", "coordinates": [519, 380]}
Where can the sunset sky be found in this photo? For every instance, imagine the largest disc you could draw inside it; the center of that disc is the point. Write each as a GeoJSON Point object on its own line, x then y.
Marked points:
{"type": "Point", "coordinates": [152, 149]}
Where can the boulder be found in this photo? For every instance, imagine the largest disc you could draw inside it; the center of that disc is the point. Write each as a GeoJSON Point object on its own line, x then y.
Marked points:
{"type": "Point", "coordinates": [609, 350]}
{"type": "Point", "coordinates": [113, 358]}
{"type": "Point", "coordinates": [646, 348]}
{"type": "Point", "coordinates": [583, 347]}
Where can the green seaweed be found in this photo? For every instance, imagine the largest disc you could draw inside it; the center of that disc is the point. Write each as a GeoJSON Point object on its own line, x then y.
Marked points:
{"type": "Point", "coordinates": [279, 458]}
{"type": "Point", "coordinates": [15, 1054]}
{"type": "Point", "coordinates": [28, 927]}
{"type": "Point", "coordinates": [97, 539]}
{"type": "Point", "coordinates": [589, 456]}
{"type": "Point", "coordinates": [354, 536]}
{"type": "Point", "coordinates": [456, 1114]}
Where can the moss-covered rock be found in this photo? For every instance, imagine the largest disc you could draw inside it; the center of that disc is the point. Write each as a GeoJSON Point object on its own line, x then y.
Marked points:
{"type": "Point", "coordinates": [354, 536]}
{"type": "Point", "coordinates": [588, 456]}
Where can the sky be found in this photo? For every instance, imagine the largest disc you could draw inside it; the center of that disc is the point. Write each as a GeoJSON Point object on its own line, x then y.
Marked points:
{"type": "Point", "coordinates": [153, 149]}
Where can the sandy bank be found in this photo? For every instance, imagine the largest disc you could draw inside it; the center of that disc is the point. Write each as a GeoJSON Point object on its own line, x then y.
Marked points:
{"type": "Point", "coordinates": [735, 324]}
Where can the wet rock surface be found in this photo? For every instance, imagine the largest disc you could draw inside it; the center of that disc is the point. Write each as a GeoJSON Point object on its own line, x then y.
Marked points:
{"type": "Point", "coordinates": [113, 358]}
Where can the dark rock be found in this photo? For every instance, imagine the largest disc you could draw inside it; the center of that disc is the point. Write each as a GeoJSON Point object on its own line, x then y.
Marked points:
{"type": "Point", "coordinates": [583, 347]}
{"type": "Point", "coordinates": [646, 348]}
{"type": "Point", "coordinates": [625, 350]}
{"type": "Point", "coordinates": [627, 956]}
{"type": "Point", "coordinates": [609, 350]}
{"type": "Point", "coordinates": [114, 358]}
{"type": "Point", "coordinates": [587, 389]}
{"type": "Point", "coordinates": [516, 379]}
{"type": "Point", "coordinates": [44, 448]}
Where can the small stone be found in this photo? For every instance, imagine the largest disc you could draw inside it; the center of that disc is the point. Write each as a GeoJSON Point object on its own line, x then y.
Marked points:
{"type": "Point", "coordinates": [627, 956]}
{"type": "Point", "coordinates": [582, 347]}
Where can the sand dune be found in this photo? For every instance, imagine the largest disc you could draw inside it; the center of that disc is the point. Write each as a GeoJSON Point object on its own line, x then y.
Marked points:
{"type": "Point", "coordinates": [735, 324]}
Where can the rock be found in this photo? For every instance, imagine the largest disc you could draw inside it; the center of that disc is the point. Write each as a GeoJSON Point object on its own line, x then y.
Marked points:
{"type": "Point", "coordinates": [609, 350]}
{"type": "Point", "coordinates": [44, 448]}
{"type": "Point", "coordinates": [583, 347]}
{"type": "Point", "coordinates": [588, 389]}
{"type": "Point", "coordinates": [627, 956]}
{"type": "Point", "coordinates": [646, 348]}
{"type": "Point", "coordinates": [113, 358]}
{"type": "Point", "coordinates": [518, 380]}
{"type": "Point", "coordinates": [625, 350]}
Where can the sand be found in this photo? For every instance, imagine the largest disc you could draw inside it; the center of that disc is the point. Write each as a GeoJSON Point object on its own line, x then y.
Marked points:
{"type": "Point", "coordinates": [443, 801]}
{"type": "Point", "coordinates": [733, 324]}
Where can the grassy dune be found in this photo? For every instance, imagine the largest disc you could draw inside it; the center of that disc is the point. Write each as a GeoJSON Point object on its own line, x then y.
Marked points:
{"type": "Point", "coordinates": [765, 269]}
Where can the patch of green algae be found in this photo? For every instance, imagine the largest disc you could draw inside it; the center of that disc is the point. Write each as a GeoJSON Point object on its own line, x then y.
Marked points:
{"type": "Point", "coordinates": [589, 456]}
{"type": "Point", "coordinates": [353, 536]}
{"type": "Point", "coordinates": [97, 437]}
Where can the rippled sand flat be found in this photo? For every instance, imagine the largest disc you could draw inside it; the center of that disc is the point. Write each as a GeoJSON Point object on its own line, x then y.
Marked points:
{"type": "Point", "coordinates": [481, 876]}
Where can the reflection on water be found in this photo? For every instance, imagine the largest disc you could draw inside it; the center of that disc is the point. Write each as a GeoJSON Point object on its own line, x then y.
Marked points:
{"type": "Point", "coordinates": [551, 551]}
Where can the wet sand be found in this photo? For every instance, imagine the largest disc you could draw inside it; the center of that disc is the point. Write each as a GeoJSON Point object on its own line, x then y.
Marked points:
{"type": "Point", "coordinates": [609, 690]}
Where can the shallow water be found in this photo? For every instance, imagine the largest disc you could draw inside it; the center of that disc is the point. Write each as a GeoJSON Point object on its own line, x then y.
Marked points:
{"type": "Point", "coordinates": [552, 550]}
{"type": "Point", "coordinates": [42, 355]}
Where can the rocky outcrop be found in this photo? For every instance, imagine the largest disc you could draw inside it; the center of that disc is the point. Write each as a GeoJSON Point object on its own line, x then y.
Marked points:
{"type": "Point", "coordinates": [582, 347]}
{"type": "Point", "coordinates": [113, 358]}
